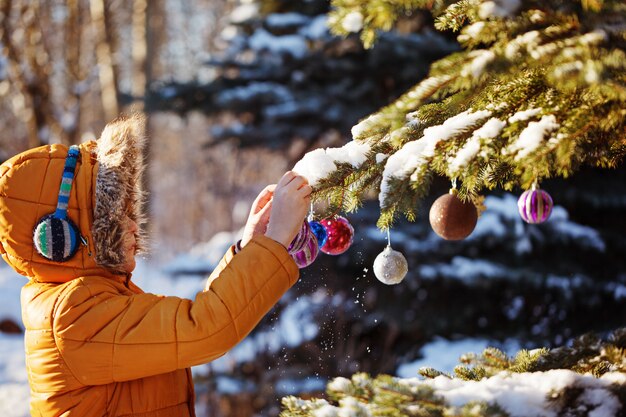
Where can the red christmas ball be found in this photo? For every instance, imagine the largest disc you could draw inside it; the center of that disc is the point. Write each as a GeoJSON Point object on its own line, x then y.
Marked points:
{"type": "Point", "coordinates": [451, 218]}
{"type": "Point", "coordinates": [339, 235]}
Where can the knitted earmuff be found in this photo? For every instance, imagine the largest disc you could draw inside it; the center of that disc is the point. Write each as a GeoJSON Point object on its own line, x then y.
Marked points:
{"type": "Point", "coordinates": [56, 237]}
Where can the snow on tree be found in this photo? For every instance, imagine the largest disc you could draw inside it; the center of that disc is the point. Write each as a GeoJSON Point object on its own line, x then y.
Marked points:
{"type": "Point", "coordinates": [587, 379]}
{"type": "Point", "coordinates": [537, 91]}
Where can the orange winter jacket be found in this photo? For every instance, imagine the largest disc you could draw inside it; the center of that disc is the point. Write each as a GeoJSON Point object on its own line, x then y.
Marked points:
{"type": "Point", "coordinates": [96, 345]}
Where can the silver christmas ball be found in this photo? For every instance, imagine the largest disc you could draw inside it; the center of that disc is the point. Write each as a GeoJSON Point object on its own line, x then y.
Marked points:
{"type": "Point", "coordinates": [390, 266]}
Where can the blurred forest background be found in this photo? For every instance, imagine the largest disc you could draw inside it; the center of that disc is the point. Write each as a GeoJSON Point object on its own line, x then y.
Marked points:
{"type": "Point", "coordinates": [236, 93]}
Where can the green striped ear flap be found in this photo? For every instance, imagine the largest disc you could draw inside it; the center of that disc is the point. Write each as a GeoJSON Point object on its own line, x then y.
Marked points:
{"type": "Point", "coordinates": [55, 236]}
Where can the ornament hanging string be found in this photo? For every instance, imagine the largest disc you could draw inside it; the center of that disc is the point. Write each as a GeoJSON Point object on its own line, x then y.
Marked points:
{"type": "Point", "coordinates": [388, 238]}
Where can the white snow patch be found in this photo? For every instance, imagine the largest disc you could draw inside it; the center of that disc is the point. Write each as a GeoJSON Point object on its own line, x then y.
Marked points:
{"type": "Point", "coordinates": [479, 61]}
{"type": "Point", "coordinates": [294, 45]}
{"type": "Point", "coordinates": [316, 29]}
{"type": "Point", "coordinates": [320, 163]}
{"type": "Point", "coordinates": [340, 384]}
{"type": "Point", "coordinates": [489, 130]}
{"type": "Point", "coordinates": [14, 390]}
{"type": "Point", "coordinates": [414, 155]}
{"type": "Point", "coordinates": [524, 115]}
{"type": "Point", "coordinates": [464, 269]}
{"type": "Point", "coordinates": [594, 37]}
{"type": "Point", "coordinates": [529, 41]}
{"type": "Point", "coordinates": [244, 12]}
{"type": "Point", "coordinates": [532, 136]}
{"type": "Point", "coordinates": [360, 129]}
{"type": "Point", "coordinates": [474, 29]}
{"type": "Point", "coordinates": [326, 410]}
{"type": "Point", "coordinates": [278, 92]}
{"type": "Point", "coordinates": [498, 8]}
{"type": "Point", "coordinates": [523, 394]}
{"type": "Point", "coordinates": [315, 165]}
{"type": "Point", "coordinates": [443, 355]}
{"type": "Point", "coordinates": [380, 157]}
{"type": "Point", "coordinates": [351, 407]}
{"type": "Point", "coordinates": [605, 404]}
{"type": "Point", "coordinates": [425, 87]}
{"type": "Point", "coordinates": [14, 400]}
{"type": "Point", "coordinates": [352, 22]}
{"type": "Point", "coordinates": [353, 153]}
{"type": "Point", "coordinates": [278, 20]}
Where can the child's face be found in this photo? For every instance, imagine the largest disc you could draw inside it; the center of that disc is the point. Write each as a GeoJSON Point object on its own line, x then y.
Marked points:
{"type": "Point", "coordinates": [130, 244]}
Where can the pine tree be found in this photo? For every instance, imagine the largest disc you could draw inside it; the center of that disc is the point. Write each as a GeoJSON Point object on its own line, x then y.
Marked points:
{"type": "Point", "coordinates": [587, 378]}
{"type": "Point", "coordinates": [280, 75]}
{"type": "Point", "coordinates": [538, 91]}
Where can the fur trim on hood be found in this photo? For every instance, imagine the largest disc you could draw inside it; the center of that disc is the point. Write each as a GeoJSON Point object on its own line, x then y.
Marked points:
{"type": "Point", "coordinates": [119, 188]}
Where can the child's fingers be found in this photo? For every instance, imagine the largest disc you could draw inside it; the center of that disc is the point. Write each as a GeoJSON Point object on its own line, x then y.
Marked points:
{"type": "Point", "coordinates": [296, 183]}
{"type": "Point", "coordinates": [263, 198]}
{"type": "Point", "coordinates": [263, 216]}
{"type": "Point", "coordinates": [306, 190]}
{"type": "Point", "coordinates": [286, 178]}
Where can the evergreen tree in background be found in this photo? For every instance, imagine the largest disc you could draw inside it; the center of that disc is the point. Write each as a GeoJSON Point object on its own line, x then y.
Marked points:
{"type": "Point", "coordinates": [282, 76]}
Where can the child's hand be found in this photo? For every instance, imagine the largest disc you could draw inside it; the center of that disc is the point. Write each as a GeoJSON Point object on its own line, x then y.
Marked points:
{"type": "Point", "coordinates": [289, 208]}
{"type": "Point", "coordinates": [259, 215]}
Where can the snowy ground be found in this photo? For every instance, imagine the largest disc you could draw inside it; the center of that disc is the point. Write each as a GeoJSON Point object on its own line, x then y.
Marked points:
{"type": "Point", "coordinates": [14, 391]}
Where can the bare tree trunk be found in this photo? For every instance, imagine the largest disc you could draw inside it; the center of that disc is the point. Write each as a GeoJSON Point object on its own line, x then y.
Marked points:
{"type": "Point", "coordinates": [140, 31]}
{"type": "Point", "coordinates": [74, 73]}
{"type": "Point", "coordinates": [30, 49]}
{"type": "Point", "coordinates": [155, 37]}
{"type": "Point", "coordinates": [104, 57]}
{"type": "Point", "coordinates": [16, 75]}
{"type": "Point", "coordinates": [147, 32]}
{"type": "Point", "coordinates": [38, 58]}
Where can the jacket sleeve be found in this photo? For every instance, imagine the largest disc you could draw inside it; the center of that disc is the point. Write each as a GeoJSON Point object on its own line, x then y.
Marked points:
{"type": "Point", "coordinates": [104, 336]}
{"type": "Point", "coordinates": [220, 267]}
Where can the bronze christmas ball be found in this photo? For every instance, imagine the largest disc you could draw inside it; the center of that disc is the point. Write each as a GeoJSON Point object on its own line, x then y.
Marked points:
{"type": "Point", "coordinates": [451, 218]}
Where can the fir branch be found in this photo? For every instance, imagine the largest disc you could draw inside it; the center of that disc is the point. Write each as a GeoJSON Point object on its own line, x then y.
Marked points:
{"type": "Point", "coordinates": [553, 75]}
{"type": "Point", "coordinates": [388, 396]}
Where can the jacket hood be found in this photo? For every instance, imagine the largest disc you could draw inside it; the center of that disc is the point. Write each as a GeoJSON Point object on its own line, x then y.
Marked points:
{"type": "Point", "coordinates": [107, 185]}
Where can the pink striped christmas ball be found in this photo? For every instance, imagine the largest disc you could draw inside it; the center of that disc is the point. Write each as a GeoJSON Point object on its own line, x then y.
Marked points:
{"type": "Point", "coordinates": [299, 242]}
{"type": "Point", "coordinates": [535, 206]}
{"type": "Point", "coordinates": [307, 255]}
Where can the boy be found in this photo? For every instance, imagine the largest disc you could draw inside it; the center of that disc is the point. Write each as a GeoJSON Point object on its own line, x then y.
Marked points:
{"type": "Point", "coordinates": [95, 343]}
